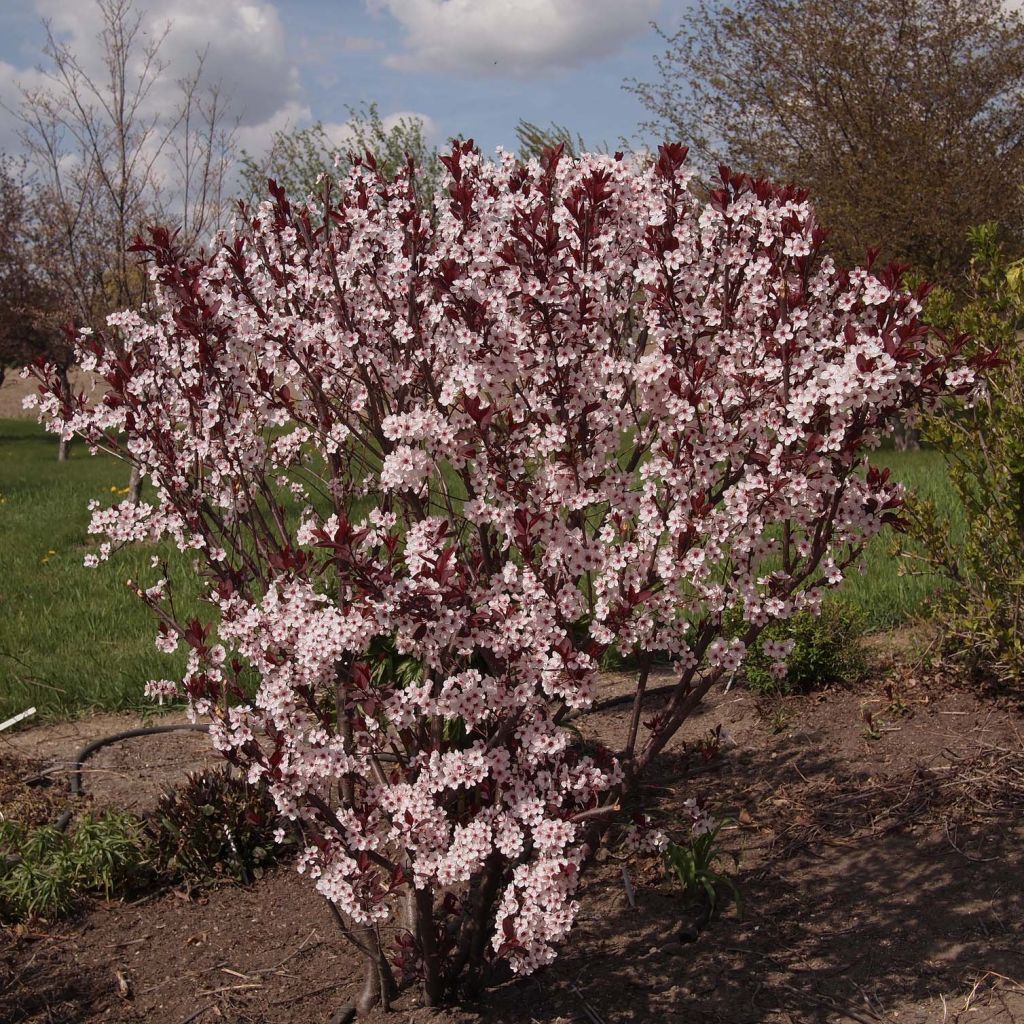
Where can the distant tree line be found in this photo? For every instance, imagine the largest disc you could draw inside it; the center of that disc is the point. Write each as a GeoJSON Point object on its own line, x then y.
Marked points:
{"type": "Point", "coordinates": [905, 118]}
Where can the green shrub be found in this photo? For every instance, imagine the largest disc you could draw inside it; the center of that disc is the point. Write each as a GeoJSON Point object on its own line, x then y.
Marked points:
{"type": "Point", "coordinates": [45, 872]}
{"type": "Point", "coordinates": [981, 610]}
{"type": "Point", "coordinates": [826, 649]}
{"type": "Point", "coordinates": [215, 827]}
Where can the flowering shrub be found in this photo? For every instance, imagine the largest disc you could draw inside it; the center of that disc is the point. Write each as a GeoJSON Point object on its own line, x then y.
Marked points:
{"type": "Point", "coordinates": [436, 468]}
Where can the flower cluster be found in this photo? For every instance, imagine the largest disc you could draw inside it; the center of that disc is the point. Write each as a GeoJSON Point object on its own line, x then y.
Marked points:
{"type": "Point", "coordinates": [435, 466]}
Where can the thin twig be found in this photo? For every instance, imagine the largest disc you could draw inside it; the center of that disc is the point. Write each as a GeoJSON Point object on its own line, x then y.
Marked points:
{"type": "Point", "coordinates": [592, 1014]}
{"type": "Point", "coordinates": [195, 1016]}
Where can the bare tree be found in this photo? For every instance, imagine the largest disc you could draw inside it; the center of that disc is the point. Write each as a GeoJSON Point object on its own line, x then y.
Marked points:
{"type": "Point", "coordinates": [29, 317]}
{"type": "Point", "coordinates": [202, 152]}
{"type": "Point", "coordinates": [111, 156]}
{"type": "Point", "coordinates": [904, 117]}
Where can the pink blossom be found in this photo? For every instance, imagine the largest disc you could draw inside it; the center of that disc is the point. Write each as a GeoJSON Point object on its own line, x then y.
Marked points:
{"type": "Point", "coordinates": [432, 468]}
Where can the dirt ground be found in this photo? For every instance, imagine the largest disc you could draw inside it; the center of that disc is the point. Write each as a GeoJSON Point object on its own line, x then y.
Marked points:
{"type": "Point", "coordinates": [14, 390]}
{"type": "Point", "coordinates": [881, 866]}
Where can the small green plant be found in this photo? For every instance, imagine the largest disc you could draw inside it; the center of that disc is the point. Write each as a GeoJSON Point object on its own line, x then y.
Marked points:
{"type": "Point", "coordinates": [826, 649]}
{"type": "Point", "coordinates": [694, 865]}
{"type": "Point", "coordinates": [775, 715]}
{"type": "Point", "coordinates": [45, 872]}
{"type": "Point", "coordinates": [871, 730]}
{"type": "Point", "coordinates": [215, 827]}
{"type": "Point", "coordinates": [981, 611]}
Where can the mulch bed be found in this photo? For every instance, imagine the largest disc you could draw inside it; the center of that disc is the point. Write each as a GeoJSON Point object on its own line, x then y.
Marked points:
{"type": "Point", "coordinates": [29, 793]}
{"type": "Point", "coordinates": [879, 832]}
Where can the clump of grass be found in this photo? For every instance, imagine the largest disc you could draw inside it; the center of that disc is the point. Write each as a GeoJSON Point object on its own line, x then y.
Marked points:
{"type": "Point", "coordinates": [45, 873]}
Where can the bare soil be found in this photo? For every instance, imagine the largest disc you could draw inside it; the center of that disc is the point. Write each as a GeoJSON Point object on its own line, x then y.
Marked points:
{"type": "Point", "coordinates": [128, 775]}
{"type": "Point", "coordinates": [881, 866]}
{"type": "Point", "coordinates": [14, 390]}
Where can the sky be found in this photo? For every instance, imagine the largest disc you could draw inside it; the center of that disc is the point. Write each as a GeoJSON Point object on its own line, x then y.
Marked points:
{"type": "Point", "coordinates": [469, 67]}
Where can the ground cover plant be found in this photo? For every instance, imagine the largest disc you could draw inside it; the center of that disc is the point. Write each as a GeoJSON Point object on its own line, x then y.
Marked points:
{"type": "Point", "coordinates": [577, 410]}
{"type": "Point", "coordinates": [215, 826]}
{"type": "Point", "coordinates": [45, 871]}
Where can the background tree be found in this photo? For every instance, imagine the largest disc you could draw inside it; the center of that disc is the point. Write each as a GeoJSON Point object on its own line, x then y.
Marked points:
{"type": "Point", "coordinates": [535, 141]}
{"type": "Point", "coordinates": [29, 314]}
{"type": "Point", "coordinates": [109, 156]}
{"type": "Point", "coordinates": [904, 117]}
{"type": "Point", "coordinates": [297, 157]}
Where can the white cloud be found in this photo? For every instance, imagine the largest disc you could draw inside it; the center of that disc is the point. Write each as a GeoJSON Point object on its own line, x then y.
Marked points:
{"type": "Point", "coordinates": [243, 42]}
{"type": "Point", "coordinates": [256, 138]}
{"type": "Point", "coordinates": [512, 37]}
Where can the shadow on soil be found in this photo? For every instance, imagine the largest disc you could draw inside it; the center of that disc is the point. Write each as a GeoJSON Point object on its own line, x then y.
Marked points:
{"type": "Point", "coordinates": [883, 880]}
{"type": "Point", "coordinates": [856, 903]}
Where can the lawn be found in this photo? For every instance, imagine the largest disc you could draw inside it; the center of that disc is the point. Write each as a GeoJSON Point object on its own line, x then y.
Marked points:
{"type": "Point", "coordinates": [71, 638]}
{"type": "Point", "coordinates": [74, 639]}
{"type": "Point", "coordinates": [884, 597]}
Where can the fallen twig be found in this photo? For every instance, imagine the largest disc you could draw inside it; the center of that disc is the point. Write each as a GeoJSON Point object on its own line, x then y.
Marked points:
{"type": "Point", "coordinates": [592, 1014]}
{"type": "Point", "coordinates": [195, 1016]}
{"type": "Point", "coordinates": [627, 883]}
{"type": "Point", "coordinates": [230, 988]}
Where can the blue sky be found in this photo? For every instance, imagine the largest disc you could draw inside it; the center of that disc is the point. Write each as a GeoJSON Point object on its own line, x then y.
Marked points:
{"type": "Point", "coordinates": [466, 66]}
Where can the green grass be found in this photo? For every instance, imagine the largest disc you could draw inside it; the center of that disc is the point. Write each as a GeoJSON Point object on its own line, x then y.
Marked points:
{"type": "Point", "coordinates": [71, 639]}
{"type": "Point", "coordinates": [881, 595]}
{"type": "Point", "coordinates": [75, 639]}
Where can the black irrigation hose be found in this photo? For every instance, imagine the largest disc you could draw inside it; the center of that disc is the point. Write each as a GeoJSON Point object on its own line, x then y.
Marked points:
{"type": "Point", "coordinates": [155, 730]}
{"type": "Point", "coordinates": [64, 820]}
{"type": "Point", "coordinates": [90, 748]}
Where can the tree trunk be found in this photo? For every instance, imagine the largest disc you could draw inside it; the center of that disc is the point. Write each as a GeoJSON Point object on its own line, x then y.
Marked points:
{"type": "Point", "coordinates": [135, 486]}
{"type": "Point", "coordinates": [906, 438]}
{"type": "Point", "coordinates": [64, 448]}
{"type": "Point", "coordinates": [379, 983]}
{"type": "Point", "coordinates": [432, 981]}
